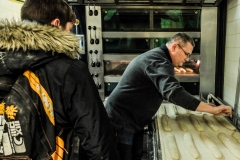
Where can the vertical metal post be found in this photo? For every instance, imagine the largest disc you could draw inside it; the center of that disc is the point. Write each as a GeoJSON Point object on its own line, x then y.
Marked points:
{"type": "Point", "coordinates": [151, 19]}
{"type": "Point", "coordinates": [208, 50]}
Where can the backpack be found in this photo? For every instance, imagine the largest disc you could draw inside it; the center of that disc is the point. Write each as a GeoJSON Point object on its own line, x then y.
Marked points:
{"type": "Point", "coordinates": [27, 124]}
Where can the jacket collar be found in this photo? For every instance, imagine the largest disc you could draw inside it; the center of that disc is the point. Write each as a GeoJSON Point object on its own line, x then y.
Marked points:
{"type": "Point", "coordinates": [25, 35]}
{"type": "Point", "coordinates": [166, 52]}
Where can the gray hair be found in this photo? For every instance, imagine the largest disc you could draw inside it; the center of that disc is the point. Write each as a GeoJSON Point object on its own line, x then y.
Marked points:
{"type": "Point", "coordinates": [181, 38]}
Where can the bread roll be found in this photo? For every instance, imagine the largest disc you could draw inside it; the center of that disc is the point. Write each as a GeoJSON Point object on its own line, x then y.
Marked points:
{"type": "Point", "coordinates": [172, 147]}
{"type": "Point", "coordinates": [196, 123]}
{"type": "Point", "coordinates": [165, 120]}
{"type": "Point", "coordinates": [181, 123]}
{"type": "Point", "coordinates": [176, 70]}
{"type": "Point", "coordinates": [224, 122]}
{"type": "Point", "coordinates": [211, 146]}
{"type": "Point", "coordinates": [182, 70]}
{"type": "Point", "coordinates": [179, 70]}
{"type": "Point", "coordinates": [210, 122]}
{"type": "Point", "coordinates": [189, 70]}
{"type": "Point", "coordinates": [229, 145]}
{"type": "Point", "coordinates": [236, 135]}
{"type": "Point", "coordinates": [190, 145]}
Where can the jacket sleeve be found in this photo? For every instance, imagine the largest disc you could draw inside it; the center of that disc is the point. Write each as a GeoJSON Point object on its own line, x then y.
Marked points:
{"type": "Point", "coordinates": [161, 74]}
{"type": "Point", "coordinates": [87, 113]}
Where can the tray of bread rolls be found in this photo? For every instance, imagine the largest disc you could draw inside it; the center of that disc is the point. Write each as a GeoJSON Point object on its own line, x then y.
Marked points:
{"type": "Point", "coordinates": [193, 135]}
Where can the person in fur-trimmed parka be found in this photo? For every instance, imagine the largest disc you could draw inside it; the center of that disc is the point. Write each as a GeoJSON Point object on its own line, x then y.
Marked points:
{"type": "Point", "coordinates": [42, 43]}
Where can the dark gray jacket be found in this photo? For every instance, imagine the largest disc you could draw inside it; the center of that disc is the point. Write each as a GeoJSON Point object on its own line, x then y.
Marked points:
{"type": "Point", "coordinates": [146, 82]}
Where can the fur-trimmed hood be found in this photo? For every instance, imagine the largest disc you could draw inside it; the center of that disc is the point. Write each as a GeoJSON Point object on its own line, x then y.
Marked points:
{"type": "Point", "coordinates": [25, 35]}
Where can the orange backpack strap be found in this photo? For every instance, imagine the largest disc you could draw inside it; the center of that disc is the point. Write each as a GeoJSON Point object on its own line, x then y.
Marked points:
{"type": "Point", "coordinates": [48, 107]}
{"type": "Point", "coordinates": [38, 88]}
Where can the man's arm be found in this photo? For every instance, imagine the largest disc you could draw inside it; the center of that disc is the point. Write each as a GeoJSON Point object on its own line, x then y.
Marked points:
{"type": "Point", "coordinates": [221, 110]}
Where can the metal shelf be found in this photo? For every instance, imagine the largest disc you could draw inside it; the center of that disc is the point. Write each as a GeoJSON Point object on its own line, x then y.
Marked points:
{"type": "Point", "coordinates": [151, 2]}
{"type": "Point", "coordinates": [130, 56]}
{"type": "Point", "coordinates": [119, 56]}
{"type": "Point", "coordinates": [145, 34]}
{"type": "Point", "coordinates": [187, 77]}
{"type": "Point", "coordinates": [112, 78]}
{"type": "Point", "coordinates": [182, 77]}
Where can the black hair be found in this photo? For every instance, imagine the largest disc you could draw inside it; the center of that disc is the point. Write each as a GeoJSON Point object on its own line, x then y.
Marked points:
{"type": "Point", "coordinates": [44, 11]}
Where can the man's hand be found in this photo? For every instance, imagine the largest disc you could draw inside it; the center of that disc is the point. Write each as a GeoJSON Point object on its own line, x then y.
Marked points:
{"type": "Point", "coordinates": [223, 110]}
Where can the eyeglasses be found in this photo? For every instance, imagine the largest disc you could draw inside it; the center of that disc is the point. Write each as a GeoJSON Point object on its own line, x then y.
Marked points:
{"type": "Point", "coordinates": [186, 54]}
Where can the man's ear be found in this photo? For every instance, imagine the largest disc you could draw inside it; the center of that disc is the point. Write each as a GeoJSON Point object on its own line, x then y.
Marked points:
{"type": "Point", "coordinates": [56, 23]}
{"type": "Point", "coordinates": [173, 47]}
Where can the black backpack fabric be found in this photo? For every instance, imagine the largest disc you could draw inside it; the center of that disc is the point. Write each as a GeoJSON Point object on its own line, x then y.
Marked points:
{"type": "Point", "coordinates": [27, 124]}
